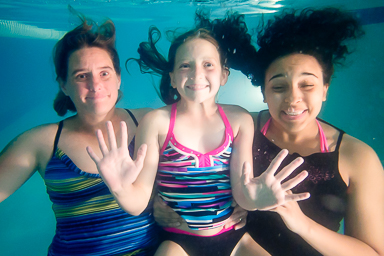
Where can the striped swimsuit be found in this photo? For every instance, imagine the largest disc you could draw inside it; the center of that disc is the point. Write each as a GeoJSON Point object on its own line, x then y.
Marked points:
{"type": "Point", "coordinates": [89, 221]}
{"type": "Point", "coordinates": [196, 186]}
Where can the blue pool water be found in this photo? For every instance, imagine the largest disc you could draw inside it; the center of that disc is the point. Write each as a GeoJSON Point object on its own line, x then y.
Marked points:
{"type": "Point", "coordinates": [29, 30]}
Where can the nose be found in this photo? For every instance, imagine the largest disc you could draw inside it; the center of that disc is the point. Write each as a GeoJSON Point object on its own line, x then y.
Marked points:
{"type": "Point", "coordinates": [94, 83]}
{"type": "Point", "coordinates": [196, 72]}
{"type": "Point", "coordinates": [293, 96]}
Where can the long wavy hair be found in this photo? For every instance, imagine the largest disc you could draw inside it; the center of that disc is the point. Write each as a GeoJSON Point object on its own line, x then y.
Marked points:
{"type": "Point", "coordinates": [229, 35]}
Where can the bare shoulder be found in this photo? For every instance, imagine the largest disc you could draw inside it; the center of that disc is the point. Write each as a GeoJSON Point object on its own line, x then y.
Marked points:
{"type": "Point", "coordinates": [359, 159]}
{"type": "Point", "coordinates": [156, 119]}
{"type": "Point", "coordinates": [39, 135]}
{"type": "Point", "coordinates": [239, 118]}
{"type": "Point", "coordinates": [236, 113]}
{"type": "Point", "coordinates": [139, 113]}
{"type": "Point", "coordinates": [30, 149]}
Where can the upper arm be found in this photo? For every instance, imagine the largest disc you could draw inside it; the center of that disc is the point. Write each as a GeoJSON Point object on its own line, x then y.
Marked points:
{"type": "Point", "coordinates": [148, 133]}
{"type": "Point", "coordinates": [365, 211]}
{"type": "Point", "coordinates": [20, 159]}
{"type": "Point", "coordinates": [242, 123]}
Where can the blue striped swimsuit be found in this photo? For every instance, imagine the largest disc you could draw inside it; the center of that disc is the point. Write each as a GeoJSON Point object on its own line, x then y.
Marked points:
{"type": "Point", "coordinates": [89, 220]}
{"type": "Point", "coordinates": [196, 186]}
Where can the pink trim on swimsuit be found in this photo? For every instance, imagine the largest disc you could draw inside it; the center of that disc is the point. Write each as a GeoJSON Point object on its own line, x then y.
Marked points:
{"type": "Point", "coordinates": [179, 231]}
{"type": "Point", "coordinates": [323, 140]}
{"type": "Point", "coordinates": [204, 160]}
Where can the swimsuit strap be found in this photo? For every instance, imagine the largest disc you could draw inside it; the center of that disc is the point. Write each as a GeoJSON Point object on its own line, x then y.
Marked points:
{"type": "Point", "coordinates": [57, 136]}
{"type": "Point", "coordinates": [323, 140]}
{"type": "Point", "coordinates": [132, 116]}
{"type": "Point", "coordinates": [265, 127]}
{"type": "Point", "coordinates": [171, 126]}
{"type": "Point", "coordinates": [228, 127]}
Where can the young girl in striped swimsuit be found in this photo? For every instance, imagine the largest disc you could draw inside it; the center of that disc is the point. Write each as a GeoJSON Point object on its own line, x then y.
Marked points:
{"type": "Point", "coordinates": [198, 151]}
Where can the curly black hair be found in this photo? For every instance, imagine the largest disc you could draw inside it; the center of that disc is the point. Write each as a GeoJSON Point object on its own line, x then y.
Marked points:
{"type": "Point", "coordinates": [229, 35]}
{"type": "Point", "coordinates": [321, 33]}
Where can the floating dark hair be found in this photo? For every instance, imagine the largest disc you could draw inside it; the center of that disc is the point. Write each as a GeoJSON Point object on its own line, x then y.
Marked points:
{"type": "Point", "coordinates": [229, 35]}
{"type": "Point", "coordinates": [234, 39]}
{"type": "Point", "coordinates": [88, 34]}
{"type": "Point", "coordinates": [321, 33]}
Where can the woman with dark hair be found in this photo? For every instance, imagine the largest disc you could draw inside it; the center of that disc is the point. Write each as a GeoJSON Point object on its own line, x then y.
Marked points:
{"type": "Point", "coordinates": [89, 220]}
{"type": "Point", "coordinates": [294, 66]}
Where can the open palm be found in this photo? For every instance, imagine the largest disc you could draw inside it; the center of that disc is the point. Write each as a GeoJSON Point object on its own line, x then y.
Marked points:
{"type": "Point", "coordinates": [267, 191]}
{"type": "Point", "coordinates": [116, 167]}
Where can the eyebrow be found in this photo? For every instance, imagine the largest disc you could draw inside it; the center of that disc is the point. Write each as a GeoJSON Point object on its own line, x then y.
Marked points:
{"type": "Point", "coordinates": [302, 74]}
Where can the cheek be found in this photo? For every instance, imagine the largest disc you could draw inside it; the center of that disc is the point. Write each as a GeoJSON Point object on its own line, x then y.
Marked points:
{"type": "Point", "coordinates": [273, 99]}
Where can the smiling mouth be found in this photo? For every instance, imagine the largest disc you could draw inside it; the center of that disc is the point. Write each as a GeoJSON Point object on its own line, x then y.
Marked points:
{"type": "Point", "coordinates": [95, 97]}
{"type": "Point", "coordinates": [294, 113]}
{"type": "Point", "coordinates": [197, 87]}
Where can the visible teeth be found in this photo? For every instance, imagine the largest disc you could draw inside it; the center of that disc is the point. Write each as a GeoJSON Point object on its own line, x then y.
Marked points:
{"type": "Point", "coordinates": [294, 113]}
{"type": "Point", "coordinates": [197, 86]}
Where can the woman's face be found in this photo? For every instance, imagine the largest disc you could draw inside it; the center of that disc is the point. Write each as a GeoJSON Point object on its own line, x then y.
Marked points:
{"type": "Point", "coordinates": [294, 91]}
{"type": "Point", "coordinates": [92, 82]}
{"type": "Point", "coordinates": [197, 73]}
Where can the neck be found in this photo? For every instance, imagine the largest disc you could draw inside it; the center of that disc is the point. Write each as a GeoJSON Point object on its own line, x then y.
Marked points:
{"type": "Point", "coordinates": [90, 122]}
{"type": "Point", "coordinates": [206, 108]}
{"type": "Point", "coordinates": [278, 133]}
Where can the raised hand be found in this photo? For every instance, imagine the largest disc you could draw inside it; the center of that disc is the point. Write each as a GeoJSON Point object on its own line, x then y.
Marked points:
{"type": "Point", "coordinates": [116, 167]}
{"type": "Point", "coordinates": [291, 214]}
{"type": "Point", "coordinates": [267, 191]}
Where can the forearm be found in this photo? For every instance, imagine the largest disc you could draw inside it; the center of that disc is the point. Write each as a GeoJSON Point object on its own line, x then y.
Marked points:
{"type": "Point", "coordinates": [331, 243]}
{"type": "Point", "coordinates": [132, 198]}
{"type": "Point", "coordinates": [242, 199]}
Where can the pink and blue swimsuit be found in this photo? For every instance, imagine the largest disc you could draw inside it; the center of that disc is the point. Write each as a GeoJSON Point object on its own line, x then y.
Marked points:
{"type": "Point", "coordinates": [195, 185]}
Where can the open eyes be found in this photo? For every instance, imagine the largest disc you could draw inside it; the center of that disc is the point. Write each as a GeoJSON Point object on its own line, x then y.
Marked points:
{"type": "Point", "coordinates": [82, 77]}
{"type": "Point", "coordinates": [184, 66]}
{"type": "Point", "coordinates": [187, 65]}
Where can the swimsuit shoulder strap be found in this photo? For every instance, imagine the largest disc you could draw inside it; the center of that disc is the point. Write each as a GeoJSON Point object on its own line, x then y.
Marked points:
{"type": "Point", "coordinates": [265, 127]}
{"type": "Point", "coordinates": [323, 139]}
{"type": "Point", "coordinates": [341, 133]}
{"type": "Point", "coordinates": [57, 137]}
{"type": "Point", "coordinates": [171, 126]}
{"type": "Point", "coordinates": [132, 116]}
{"type": "Point", "coordinates": [228, 126]}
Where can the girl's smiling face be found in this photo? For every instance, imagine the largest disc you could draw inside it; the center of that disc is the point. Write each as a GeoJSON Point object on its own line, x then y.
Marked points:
{"type": "Point", "coordinates": [198, 73]}
{"type": "Point", "coordinates": [294, 91]}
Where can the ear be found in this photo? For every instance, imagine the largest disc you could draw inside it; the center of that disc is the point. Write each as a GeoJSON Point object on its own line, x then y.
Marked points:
{"type": "Point", "coordinates": [224, 76]}
{"type": "Point", "coordinates": [118, 81]}
{"type": "Point", "coordinates": [325, 91]}
{"type": "Point", "coordinates": [172, 80]}
{"type": "Point", "coordinates": [63, 87]}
